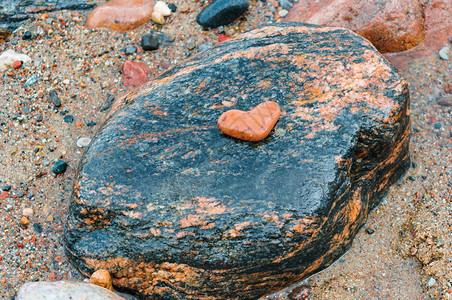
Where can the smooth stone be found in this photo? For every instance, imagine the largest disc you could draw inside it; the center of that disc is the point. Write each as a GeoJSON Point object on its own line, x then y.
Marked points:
{"type": "Point", "coordinates": [28, 211]}
{"type": "Point", "coordinates": [121, 15]}
{"type": "Point", "coordinates": [68, 118]}
{"type": "Point", "coordinates": [222, 12]}
{"type": "Point", "coordinates": [24, 221]}
{"type": "Point", "coordinates": [174, 209]}
{"type": "Point", "coordinates": [282, 13]}
{"type": "Point", "coordinates": [27, 35]}
{"type": "Point", "coordinates": [149, 42]}
{"type": "Point", "coordinates": [101, 278]}
{"type": "Point", "coordinates": [64, 290]}
{"type": "Point", "coordinates": [8, 58]}
{"type": "Point", "coordinates": [31, 80]}
{"type": "Point", "coordinates": [158, 17]}
{"type": "Point", "coordinates": [135, 74]}
{"type": "Point", "coordinates": [130, 50]}
{"type": "Point", "coordinates": [253, 125]}
{"type": "Point", "coordinates": [162, 8]}
{"type": "Point", "coordinates": [17, 64]}
{"type": "Point", "coordinates": [83, 142]}
{"type": "Point", "coordinates": [54, 99]}
{"type": "Point", "coordinates": [391, 26]}
{"type": "Point", "coordinates": [444, 53]}
{"type": "Point", "coordinates": [59, 167]}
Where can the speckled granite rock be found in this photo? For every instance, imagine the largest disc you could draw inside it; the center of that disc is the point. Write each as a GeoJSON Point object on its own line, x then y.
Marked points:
{"type": "Point", "coordinates": [14, 12]}
{"type": "Point", "coordinates": [173, 208]}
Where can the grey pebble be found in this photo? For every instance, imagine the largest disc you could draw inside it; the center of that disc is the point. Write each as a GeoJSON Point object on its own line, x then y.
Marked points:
{"type": "Point", "coordinates": [31, 80]}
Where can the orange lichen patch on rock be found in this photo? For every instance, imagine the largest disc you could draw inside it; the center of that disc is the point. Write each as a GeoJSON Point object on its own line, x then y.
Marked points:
{"type": "Point", "coordinates": [209, 206]}
{"type": "Point", "coordinates": [192, 221]}
{"type": "Point", "coordinates": [254, 125]}
{"type": "Point", "coordinates": [121, 15]}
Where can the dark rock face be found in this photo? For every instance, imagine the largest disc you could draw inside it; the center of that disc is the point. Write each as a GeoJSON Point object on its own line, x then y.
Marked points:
{"type": "Point", "coordinates": [222, 12]}
{"type": "Point", "coordinates": [173, 208]}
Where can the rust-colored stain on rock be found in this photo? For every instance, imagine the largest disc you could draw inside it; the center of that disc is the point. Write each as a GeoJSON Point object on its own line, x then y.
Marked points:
{"type": "Point", "coordinates": [121, 15]}
{"type": "Point", "coordinates": [254, 125]}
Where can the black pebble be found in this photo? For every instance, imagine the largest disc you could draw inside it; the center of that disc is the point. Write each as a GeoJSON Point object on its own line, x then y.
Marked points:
{"type": "Point", "coordinates": [6, 188]}
{"type": "Point", "coordinates": [68, 119]}
{"type": "Point", "coordinates": [149, 42]}
{"type": "Point", "coordinates": [222, 12]}
{"type": "Point", "coordinates": [91, 123]}
{"type": "Point", "coordinates": [54, 99]}
{"type": "Point", "coordinates": [37, 227]}
{"type": "Point", "coordinates": [172, 6]}
{"type": "Point", "coordinates": [27, 35]}
{"type": "Point", "coordinates": [59, 167]}
{"type": "Point", "coordinates": [369, 230]}
{"type": "Point", "coordinates": [130, 50]}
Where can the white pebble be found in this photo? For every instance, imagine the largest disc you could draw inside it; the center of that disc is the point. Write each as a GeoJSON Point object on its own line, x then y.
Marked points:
{"type": "Point", "coordinates": [282, 13]}
{"type": "Point", "coordinates": [444, 53]}
{"type": "Point", "coordinates": [83, 142]}
{"type": "Point", "coordinates": [27, 211]}
{"type": "Point", "coordinates": [431, 282]}
{"type": "Point", "coordinates": [158, 17]}
{"type": "Point", "coordinates": [162, 8]}
{"type": "Point", "coordinates": [8, 57]}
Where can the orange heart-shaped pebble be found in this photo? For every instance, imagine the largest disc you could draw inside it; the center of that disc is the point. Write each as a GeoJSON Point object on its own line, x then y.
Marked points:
{"type": "Point", "coordinates": [253, 125]}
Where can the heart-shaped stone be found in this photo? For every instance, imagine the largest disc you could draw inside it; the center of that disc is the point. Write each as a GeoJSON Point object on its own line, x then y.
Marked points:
{"type": "Point", "coordinates": [253, 125]}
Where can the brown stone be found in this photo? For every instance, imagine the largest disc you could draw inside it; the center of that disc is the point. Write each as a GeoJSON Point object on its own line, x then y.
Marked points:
{"type": "Point", "coordinates": [135, 74]}
{"type": "Point", "coordinates": [121, 15]}
{"type": "Point", "coordinates": [102, 278]}
{"type": "Point", "coordinates": [24, 220]}
{"type": "Point", "coordinates": [253, 125]}
{"type": "Point", "coordinates": [391, 26]}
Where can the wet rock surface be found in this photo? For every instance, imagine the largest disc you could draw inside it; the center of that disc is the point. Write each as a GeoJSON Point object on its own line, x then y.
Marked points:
{"type": "Point", "coordinates": [392, 26]}
{"type": "Point", "coordinates": [15, 12]}
{"type": "Point", "coordinates": [173, 208]}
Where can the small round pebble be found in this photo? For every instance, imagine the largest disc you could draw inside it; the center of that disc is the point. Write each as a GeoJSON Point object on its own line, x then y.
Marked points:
{"type": "Point", "coordinates": [444, 53]}
{"type": "Point", "coordinates": [172, 7]}
{"type": "Point", "coordinates": [59, 167]}
{"type": "Point", "coordinates": [282, 13]}
{"type": "Point", "coordinates": [27, 35]}
{"type": "Point", "coordinates": [130, 50]}
{"type": "Point", "coordinates": [83, 142]}
{"type": "Point", "coordinates": [28, 211]}
{"type": "Point", "coordinates": [24, 221]}
{"type": "Point", "coordinates": [149, 42]}
{"type": "Point", "coordinates": [68, 118]}
{"type": "Point", "coordinates": [437, 125]}
{"type": "Point", "coordinates": [101, 278]}
{"type": "Point", "coordinates": [37, 227]}
{"type": "Point", "coordinates": [158, 17]}
{"type": "Point", "coordinates": [17, 64]}
{"type": "Point", "coordinates": [191, 45]}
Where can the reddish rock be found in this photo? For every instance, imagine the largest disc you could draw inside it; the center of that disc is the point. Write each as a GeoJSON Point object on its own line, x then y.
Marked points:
{"type": "Point", "coordinates": [253, 125]}
{"type": "Point", "coordinates": [135, 74]}
{"type": "Point", "coordinates": [392, 25]}
{"type": "Point", "coordinates": [121, 15]}
{"type": "Point", "coordinates": [17, 64]}
{"type": "Point", "coordinates": [438, 28]}
{"type": "Point", "coordinates": [101, 278]}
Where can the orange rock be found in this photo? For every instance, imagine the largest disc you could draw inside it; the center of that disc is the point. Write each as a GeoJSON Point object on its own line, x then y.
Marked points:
{"type": "Point", "coordinates": [135, 74]}
{"type": "Point", "coordinates": [101, 278]}
{"type": "Point", "coordinates": [391, 26]}
{"type": "Point", "coordinates": [254, 125]}
{"type": "Point", "coordinates": [17, 64]}
{"type": "Point", "coordinates": [121, 15]}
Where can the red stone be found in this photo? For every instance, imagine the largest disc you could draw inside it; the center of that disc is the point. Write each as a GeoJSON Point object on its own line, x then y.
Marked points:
{"type": "Point", "coordinates": [17, 64]}
{"type": "Point", "coordinates": [253, 125]}
{"type": "Point", "coordinates": [135, 74]}
{"type": "Point", "coordinates": [222, 38]}
{"type": "Point", "coordinates": [392, 25]}
{"type": "Point", "coordinates": [121, 15]}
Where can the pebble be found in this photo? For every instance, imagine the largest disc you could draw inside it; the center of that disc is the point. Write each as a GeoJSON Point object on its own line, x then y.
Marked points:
{"type": "Point", "coordinates": [83, 142]}
{"type": "Point", "coordinates": [444, 53]}
{"type": "Point", "coordinates": [31, 80]}
{"type": "Point", "coordinates": [158, 17]}
{"type": "Point", "coordinates": [173, 7]}
{"type": "Point", "coordinates": [370, 230]}
{"type": "Point", "coordinates": [8, 58]}
{"type": "Point", "coordinates": [17, 64]}
{"type": "Point", "coordinates": [101, 278]}
{"type": "Point", "coordinates": [203, 47]}
{"type": "Point", "coordinates": [191, 45]}
{"type": "Point", "coordinates": [282, 13]}
{"type": "Point", "coordinates": [285, 4]}
{"type": "Point", "coordinates": [26, 35]}
{"type": "Point", "coordinates": [6, 188]}
{"type": "Point", "coordinates": [149, 42]}
{"type": "Point", "coordinates": [437, 125]}
{"type": "Point", "coordinates": [130, 50]}
{"type": "Point", "coordinates": [59, 167]}
{"type": "Point", "coordinates": [162, 8]}
{"type": "Point", "coordinates": [24, 220]}
{"type": "Point", "coordinates": [107, 103]}
{"type": "Point", "coordinates": [222, 12]}
{"type": "Point", "coordinates": [54, 99]}
{"type": "Point", "coordinates": [68, 119]}
{"type": "Point", "coordinates": [91, 124]}
{"type": "Point", "coordinates": [431, 282]}
{"type": "Point", "coordinates": [28, 211]}
{"type": "Point", "coordinates": [37, 227]}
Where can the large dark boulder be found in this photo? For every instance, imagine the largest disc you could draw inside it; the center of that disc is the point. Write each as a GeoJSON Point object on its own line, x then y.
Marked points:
{"type": "Point", "coordinates": [173, 208]}
{"type": "Point", "coordinates": [14, 12]}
